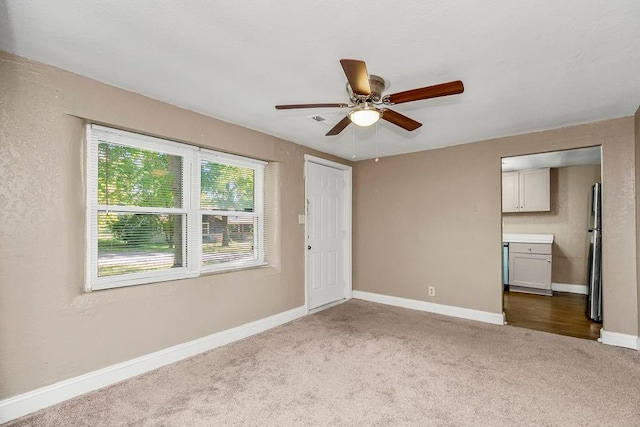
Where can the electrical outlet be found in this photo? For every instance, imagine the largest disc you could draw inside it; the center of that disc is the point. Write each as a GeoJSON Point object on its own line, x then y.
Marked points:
{"type": "Point", "coordinates": [432, 291]}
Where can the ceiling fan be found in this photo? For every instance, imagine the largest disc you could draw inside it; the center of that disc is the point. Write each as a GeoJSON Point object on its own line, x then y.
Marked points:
{"type": "Point", "coordinates": [368, 104]}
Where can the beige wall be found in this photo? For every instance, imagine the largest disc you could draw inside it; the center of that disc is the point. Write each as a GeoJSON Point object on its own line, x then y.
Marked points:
{"type": "Point", "coordinates": [566, 220]}
{"type": "Point", "coordinates": [433, 218]}
{"type": "Point", "coordinates": [50, 329]}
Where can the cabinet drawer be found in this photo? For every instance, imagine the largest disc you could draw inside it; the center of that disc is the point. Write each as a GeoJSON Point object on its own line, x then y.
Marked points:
{"type": "Point", "coordinates": [530, 248]}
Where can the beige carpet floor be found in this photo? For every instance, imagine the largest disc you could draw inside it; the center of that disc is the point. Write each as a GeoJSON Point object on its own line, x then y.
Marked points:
{"type": "Point", "coordinates": [361, 363]}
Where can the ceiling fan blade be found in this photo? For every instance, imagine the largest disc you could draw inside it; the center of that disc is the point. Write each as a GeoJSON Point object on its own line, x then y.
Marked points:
{"type": "Point", "coordinates": [444, 89]}
{"type": "Point", "coordinates": [294, 106]}
{"type": "Point", "coordinates": [339, 127]}
{"type": "Point", "coordinates": [400, 120]}
{"type": "Point", "coordinates": [357, 76]}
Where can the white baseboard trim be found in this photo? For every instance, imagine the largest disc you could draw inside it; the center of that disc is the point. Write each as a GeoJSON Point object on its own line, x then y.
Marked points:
{"type": "Point", "coordinates": [619, 340]}
{"type": "Point", "coordinates": [568, 287]}
{"type": "Point", "coordinates": [23, 404]}
{"type": "Point", "coordinates": [447, 310]}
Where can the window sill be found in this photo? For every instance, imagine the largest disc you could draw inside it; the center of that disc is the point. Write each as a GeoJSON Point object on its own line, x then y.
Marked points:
{"type": "Point", "coordinates": [114, 284]}
{"type": "Point", "coordinates": [231, 269]}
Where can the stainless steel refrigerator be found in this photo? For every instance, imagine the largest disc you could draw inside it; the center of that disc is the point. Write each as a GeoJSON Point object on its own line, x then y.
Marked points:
{"type": "Point", "coordinates": [594, 276]}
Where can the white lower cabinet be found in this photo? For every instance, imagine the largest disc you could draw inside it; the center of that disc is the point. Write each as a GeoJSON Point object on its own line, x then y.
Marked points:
{"type": "Point", "coordinates": [530, 267]}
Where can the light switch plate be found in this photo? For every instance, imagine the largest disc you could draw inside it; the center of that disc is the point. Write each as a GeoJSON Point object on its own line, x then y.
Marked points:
{"type": "Point", "coordinates": [300, 219]}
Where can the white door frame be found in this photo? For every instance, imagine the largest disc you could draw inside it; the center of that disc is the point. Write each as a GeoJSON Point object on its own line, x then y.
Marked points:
{"type": "Point", "coordinates": [348, 218]}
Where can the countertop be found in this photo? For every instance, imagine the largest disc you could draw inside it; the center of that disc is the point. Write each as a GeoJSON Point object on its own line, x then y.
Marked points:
{"type": "Point", "coordinates": [527, 238]}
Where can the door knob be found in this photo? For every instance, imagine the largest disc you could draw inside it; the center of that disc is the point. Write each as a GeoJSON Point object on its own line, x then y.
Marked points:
{"type": "Point", "coordinates": [309, 247]}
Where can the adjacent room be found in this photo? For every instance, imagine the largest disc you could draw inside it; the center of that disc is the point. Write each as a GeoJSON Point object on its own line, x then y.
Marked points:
{"type": "Point", "coordinates": [294, 213]}
{"type": "Point", "coordinates": [552, 247]}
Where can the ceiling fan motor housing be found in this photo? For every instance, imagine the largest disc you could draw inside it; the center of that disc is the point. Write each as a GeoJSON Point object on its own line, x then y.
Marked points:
{"type": "Point", "coordinates": [377, 84]}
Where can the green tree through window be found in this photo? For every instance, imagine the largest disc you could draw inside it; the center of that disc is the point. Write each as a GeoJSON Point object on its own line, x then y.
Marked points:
{"type": "Point", "coordinates": [129, 176]}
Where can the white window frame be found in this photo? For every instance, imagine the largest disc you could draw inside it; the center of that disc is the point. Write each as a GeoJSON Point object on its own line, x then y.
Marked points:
{"type": "Point", "coordinates": [192, 232]}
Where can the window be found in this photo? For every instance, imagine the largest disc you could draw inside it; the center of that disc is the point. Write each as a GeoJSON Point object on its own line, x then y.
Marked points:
{"type": "Point", "coordinates": [160, 210]}
{"type": "Point", "coordinates": [228, 196]}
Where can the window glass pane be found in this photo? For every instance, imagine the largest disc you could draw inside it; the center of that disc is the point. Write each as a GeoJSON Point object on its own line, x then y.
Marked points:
{"type": "Point", "coordinates": [136, 177]}
{"type": "Point", "coordinates": [230, 239]}
{"type": "Point", "coordinates": [228, 188]}
{"type": "Point", "coordinates": [135, 243]}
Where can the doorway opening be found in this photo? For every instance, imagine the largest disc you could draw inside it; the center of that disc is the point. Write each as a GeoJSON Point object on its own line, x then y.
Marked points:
{"type": "Point", "coordinates": [548, 264]}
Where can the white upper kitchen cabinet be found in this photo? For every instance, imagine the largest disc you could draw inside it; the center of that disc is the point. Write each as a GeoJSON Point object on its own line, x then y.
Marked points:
{"type": "Point", "coordinates": [510, 191]}
{"type": "Point", "coordinates": [526, 191]}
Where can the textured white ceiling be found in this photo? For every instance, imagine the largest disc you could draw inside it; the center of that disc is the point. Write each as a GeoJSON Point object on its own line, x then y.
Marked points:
{"type": "Point", "coordinates": [527, 65]}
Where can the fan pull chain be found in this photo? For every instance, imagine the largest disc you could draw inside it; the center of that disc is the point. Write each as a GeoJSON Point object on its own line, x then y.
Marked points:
{"type": "Point", "coordinates": [376, 159]}
{"type": "Point", "coordinates": [353, 142]}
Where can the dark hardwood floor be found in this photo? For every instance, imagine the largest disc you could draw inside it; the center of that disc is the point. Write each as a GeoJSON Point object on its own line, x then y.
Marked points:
{"type": "Point", "coordinates": [563, 314]}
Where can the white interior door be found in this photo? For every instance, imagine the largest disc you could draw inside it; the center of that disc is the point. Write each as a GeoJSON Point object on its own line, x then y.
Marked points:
{"type": "Point", "coordinates": [326, 235]}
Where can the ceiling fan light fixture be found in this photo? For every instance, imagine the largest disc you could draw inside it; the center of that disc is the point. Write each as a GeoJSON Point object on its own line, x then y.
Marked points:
{"type": "Point", "coordinates": [364, 116]}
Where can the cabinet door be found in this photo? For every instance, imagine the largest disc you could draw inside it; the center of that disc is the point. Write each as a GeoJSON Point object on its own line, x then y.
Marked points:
{"type": "Point", "coordinates": [530, 270]}
{"type": "Point", "coordinates": [510, 189]}
{"type": "Point", "coordinates": [534, 190]}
